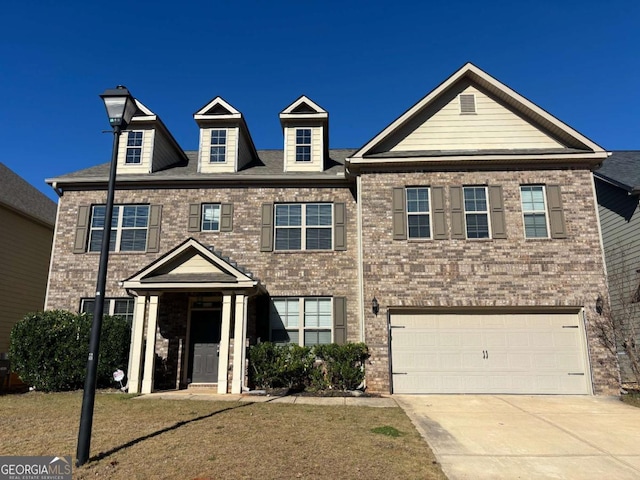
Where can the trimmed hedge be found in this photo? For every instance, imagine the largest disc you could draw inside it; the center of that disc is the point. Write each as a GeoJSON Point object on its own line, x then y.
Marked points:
{"type": "Point", "coordinates": [49, 349]}
{"type": "Point", "coordinates": [322, 367]}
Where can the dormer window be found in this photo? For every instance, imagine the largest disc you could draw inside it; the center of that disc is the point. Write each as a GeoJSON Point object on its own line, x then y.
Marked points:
{"type": "Point", "coordinates": [303, 145]}
{"type": "Point", "coordinates": [218, 146]}
{"type": "Point", "coordinates": [134, 148]}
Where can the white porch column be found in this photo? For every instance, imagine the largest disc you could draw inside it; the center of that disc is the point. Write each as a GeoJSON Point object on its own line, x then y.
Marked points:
{"type": "Point", "coordinates": [149, 358]}
{"type": "Point", "coordinates": [239, 342]}
{"type": "Point", "coordinates": [137, 339]}
{"type": "Point", "coordinates": [225, 335]}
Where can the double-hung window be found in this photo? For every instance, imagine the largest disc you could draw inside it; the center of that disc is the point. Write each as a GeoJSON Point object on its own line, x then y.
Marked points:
{"type": "Point", "coordinates": [303, 145]}
{"type": "Point", "coordinates": [476, 209]}
{"type": "Point", "coordinates": [418, 212]}
{"type": "Point", "coordinates": [218, 153]}
{"type": "Point", "coordinates": [120, 307]}
{"type": "Point", "coordinates": [534, 211]}
{"type": "Point", "coordinates": [303, 226]}
{"type": "Point", "coordinates": [134, 148]}
{"type": "Point", "coordinates": [129, 228]}
{"type": "Point", "coordinates": [210, 217]}
{"type": "Point", "coordinates": [303, 321]}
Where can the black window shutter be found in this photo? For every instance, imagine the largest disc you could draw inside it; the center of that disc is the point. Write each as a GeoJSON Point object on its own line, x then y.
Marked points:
{"type": "Point", "coordinates": [82, 229]}
{"type": "Point", "coordinates": [226, 217]}
{"type": "Point", "coordinates": [439, 216]}
{"type": "Point", "coordinates": [195, 210]}
{"type": "Point", "coordinates": [339, 227]}
{"type": "Point", "coordinates": [556, 214]}
{"type": "Point", "coordinates": [498, 223]}
{"type": "Point", "coordinates": [340, 320]}
{"type": "Point", "coordinates": [399, 214]}
{"type": "Point", "coordinates": [266, 233]}
{"type": "Point", "coordinates": [153, 235]}
{"type": "Point", "coordinates": [457, 213]}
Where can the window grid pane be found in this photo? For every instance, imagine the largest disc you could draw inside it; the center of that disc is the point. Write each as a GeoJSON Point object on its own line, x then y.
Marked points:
{"type": "Point", "coordinates": [475, 200]}
{"type": "Point", "coordinates": [210, 217]}
{"type": "Point", "coordinates": [129, 226]}
{"type": "Point", "coordinates": [312, 326]}
{"type": "Point", "coordinates": [303, 145]}
{"type": "Point", "coordinates": [218, 152]}
{"type": "Point", "coordinates": [418, 212]}
{"type": "Point", "coordinates": [304, 226]}
{"type": "Point", "coordinates": [534, 211]}
{"type": "Point", "coordinates": [134, 150]}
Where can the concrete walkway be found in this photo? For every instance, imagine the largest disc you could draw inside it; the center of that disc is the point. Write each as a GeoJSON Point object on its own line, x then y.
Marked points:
{"type": "Point", "coordinates": [528, 437]}
{"type": "Point", "coordinates": [207, 394]}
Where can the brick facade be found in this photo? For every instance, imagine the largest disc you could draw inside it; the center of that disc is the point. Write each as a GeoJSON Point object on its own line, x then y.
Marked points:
{"type": "Point", "coordinates": [514, 272]}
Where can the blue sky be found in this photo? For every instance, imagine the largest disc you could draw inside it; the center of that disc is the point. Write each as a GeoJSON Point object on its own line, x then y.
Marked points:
{"type": "Point", "coordinates": [364, 62]}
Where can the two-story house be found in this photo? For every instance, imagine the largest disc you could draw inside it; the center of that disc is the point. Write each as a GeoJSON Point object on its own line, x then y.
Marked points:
{"type": "Point", "coordinates": [460, 243]}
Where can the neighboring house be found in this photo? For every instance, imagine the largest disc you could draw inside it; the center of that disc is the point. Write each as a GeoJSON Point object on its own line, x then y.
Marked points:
{"type": "Point", "coordinates": [618, 192]}
{"type": "Point", "coordinates": [27, 219]}
{"type": "Point", "coordinates": [470, 219]}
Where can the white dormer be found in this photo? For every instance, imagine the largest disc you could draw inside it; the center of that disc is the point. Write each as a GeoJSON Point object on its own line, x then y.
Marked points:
{"type": "Point", "coordinates": [147, 146]}
{"type": "Point", "coordinates": [225, 143]}
{"type": "Point", "coordinates": [306, 136]}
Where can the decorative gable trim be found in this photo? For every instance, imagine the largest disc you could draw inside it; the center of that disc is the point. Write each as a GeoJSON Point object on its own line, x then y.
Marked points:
{"type": "Point", "coordinates": [169, 272]}
{"type": "Point", "coordinates": [304, 107]}
{"type": "Point", "coordinates": [217, 109]}
{"type": "Point", "coordinates": [576, 143]}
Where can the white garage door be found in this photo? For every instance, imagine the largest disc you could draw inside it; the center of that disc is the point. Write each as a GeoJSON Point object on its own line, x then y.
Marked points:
{"type": "Point", "coordinates": [539, 353]}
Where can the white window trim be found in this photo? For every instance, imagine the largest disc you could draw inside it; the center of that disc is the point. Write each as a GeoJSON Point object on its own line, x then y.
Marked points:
{"type": "Point", "coordinates": [545, 212]}
{"type": "Point", "coordinates": [129, 147]}
{"type": "Point", "coordinates": [487, 212]}
{"type": "Point", "coordinates": [428, 213]}
{"type": "Point", "coordinates": [304, 144]}
{"type": "Point", "coordinates": [303, 228]}
{"type": "Point", "coordinates": [118, 228]}
{"type": "Point", "coordinates": [202, 207]}
{"type": "Point", "coordinates": [110, 305]}
{"type": "Point", "coordinates": [301, 328]}
{"type": "Point", "coordinates": [223, 145]}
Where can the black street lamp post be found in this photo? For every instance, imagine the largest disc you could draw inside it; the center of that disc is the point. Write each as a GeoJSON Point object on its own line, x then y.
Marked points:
{"type": "Point", "coordinates": [120, 107]}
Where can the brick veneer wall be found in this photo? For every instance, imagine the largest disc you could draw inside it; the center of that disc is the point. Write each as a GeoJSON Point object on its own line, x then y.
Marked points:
{"type": "Point", "coordinates": [330, 273]}
{"type": "Point", "coordinates": [489, 273]}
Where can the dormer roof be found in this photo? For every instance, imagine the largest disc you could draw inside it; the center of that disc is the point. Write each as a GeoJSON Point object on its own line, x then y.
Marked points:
{"type": "Point", "coordinates": [217, 109]}
{"type": "Point", "coordinates": [303, 108]}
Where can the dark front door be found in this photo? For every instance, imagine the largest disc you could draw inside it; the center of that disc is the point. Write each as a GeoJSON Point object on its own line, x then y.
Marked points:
{"type": "Point", "coordinates": [205, 346]}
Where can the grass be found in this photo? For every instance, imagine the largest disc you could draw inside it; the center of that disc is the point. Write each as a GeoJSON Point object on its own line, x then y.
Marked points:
{"type": "Point", "coordinates": [189, 439]}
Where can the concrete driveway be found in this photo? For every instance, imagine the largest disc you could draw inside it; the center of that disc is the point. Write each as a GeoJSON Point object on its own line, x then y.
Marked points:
{"type": "Point", "coordinates": [529, 437]}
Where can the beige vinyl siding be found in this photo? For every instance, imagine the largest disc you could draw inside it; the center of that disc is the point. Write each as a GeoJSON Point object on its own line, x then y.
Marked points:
{"type": "Point", "coordinates": [317, 149]}
{"type": "Point", "coordinates": [196, 264]}
{"type": "Point", "coordinates": [25, 247]}
{"type": "Point", "coordinates": [620, 223]}
{"type": "Point", "coordinates": [230, 164]}
{"type": "Point", "coordinates": [244, 151]}
{"type": "Point", "coordinates": [147, 152]}
{"type": "Point", "coordinates": [164, 153]}
{"type": "Point", "coordinates": [493, 126]}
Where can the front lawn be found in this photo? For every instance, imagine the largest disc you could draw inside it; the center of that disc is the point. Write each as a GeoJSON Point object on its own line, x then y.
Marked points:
{"type": "Point", "coordinates": [189, 439]}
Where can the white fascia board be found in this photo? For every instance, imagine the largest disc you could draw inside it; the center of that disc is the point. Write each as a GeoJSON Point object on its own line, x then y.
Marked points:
{"type": "Point", "coordinates": [143, 108]}
{"type": "Point", "coordinates": [139, 119]}
{"type": "Point", "coordinates": [231, 116]}
{"type": "Point", "coordinates": [137, 286]}
{"type": "Point", "coordinates": [450, 158]}
{"type": "Point", "coordinates": [303, 116]}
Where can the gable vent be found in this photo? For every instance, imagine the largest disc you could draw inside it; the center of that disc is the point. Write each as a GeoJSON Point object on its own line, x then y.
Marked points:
{"type": "Point", "coordinates": [467, 103]}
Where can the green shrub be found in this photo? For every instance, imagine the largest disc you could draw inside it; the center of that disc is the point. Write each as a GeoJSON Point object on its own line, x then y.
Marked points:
{"type": "Point", "coordinates": [49, 349]}
{"type": "Point", "coordinates": [338, 367]}
{"type": "Point", "coordinates": [279, 366]}
{"type": "Point", "coordinates": [342, 365]}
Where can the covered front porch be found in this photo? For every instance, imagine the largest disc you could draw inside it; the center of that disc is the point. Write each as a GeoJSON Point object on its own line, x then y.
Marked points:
{"type": "Point", "coordinates": [194, 313]}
